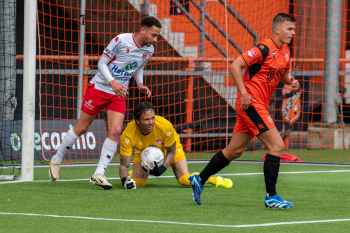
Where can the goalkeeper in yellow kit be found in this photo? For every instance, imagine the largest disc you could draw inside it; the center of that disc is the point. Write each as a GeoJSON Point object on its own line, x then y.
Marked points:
{"type": "Point", "coordinates": [148, 129]}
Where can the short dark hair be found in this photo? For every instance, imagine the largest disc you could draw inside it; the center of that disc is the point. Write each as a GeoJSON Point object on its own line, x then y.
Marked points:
{"type": "Point", "coordinates": [281, 18]}
{"type": "Point", "coordinates": [150, 21]}
{"type": "Point", "coordinates": [142, 107]}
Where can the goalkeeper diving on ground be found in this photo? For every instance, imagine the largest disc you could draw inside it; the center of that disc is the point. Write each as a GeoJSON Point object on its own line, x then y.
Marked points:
{"type": "Point", "coordinates": [149, 129]}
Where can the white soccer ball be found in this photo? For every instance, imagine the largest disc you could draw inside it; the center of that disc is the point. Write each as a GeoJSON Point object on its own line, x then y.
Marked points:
{"type": "Point", "coordinates": [149, 155]}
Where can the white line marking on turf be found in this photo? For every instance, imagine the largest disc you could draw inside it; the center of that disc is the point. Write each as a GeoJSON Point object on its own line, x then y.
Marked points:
{"type": "Point", "coordinates": [160, 177]}
{"type": "Point", "coordinates": [180, 223]}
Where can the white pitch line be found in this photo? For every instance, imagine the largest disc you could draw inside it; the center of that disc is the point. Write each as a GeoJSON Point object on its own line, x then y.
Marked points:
{"type": "Point", "coordinates": [160, 177]}
{"type": "Point", "coordinates": [180, 223]}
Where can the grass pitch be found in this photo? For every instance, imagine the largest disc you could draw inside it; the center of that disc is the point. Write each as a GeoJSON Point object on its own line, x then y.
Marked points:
{"type": "Point", "coordinates": [320, 195]}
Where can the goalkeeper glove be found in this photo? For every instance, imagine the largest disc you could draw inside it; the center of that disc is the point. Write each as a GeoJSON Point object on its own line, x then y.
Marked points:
{"type": "Point", "coordinates": [157, 171]}
{"type": "Point", "coordinates": [128, 183]}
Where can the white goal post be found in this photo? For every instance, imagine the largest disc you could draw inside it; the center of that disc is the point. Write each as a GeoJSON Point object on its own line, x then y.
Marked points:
{"type": "Point", "coordinates": [29, 69]}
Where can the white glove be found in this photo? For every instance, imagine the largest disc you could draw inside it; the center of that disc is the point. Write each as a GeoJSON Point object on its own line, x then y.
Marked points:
{"type": "Point", "coordinates": [129, 183]}
{"type": "Point", "coordinates": [147, 167]}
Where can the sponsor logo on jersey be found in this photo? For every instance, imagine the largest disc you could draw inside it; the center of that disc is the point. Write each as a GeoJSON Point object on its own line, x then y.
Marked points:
{"type": "Point", "coordinates": [275, 74]}
{"type": "Point", "coordinates": [179, 150]}
{"type": "Point", "coordinates": [90, 101]}
{"type": "Point", "coordinates": [127, 50]}
{"type": "Point", "coordinates": [261, 47]}
{"type": "Point", "coordinates": [287, 57]}
{"type": "Point", "coordinates": [273, 53]}
{"type": "Point", "coordinates": [261, 126]}
{"type": "Point", "coordinates": [116, 71]}
{"type": "Point", "coordinates": [144, 56]}
{"type": "Point", "coordinates": [127, 141]}
{"type": "Point", "coordinates": [251, 53]}
{"type": "Point", "coordinates": [108, 53]}
{"type": "Point", "coordinates": [159, 141]}
{"type": "Point", "coordinates": [168, 134]}
{"type": "Point", "coordinates": [140, 144]}
{"type": "Point", "coordinates": [131, 65]}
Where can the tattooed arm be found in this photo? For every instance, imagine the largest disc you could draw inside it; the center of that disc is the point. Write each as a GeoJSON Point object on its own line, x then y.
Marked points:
{"type": "Point", "coordinates": [169, 157]}
{"type": "Point", "coordinates": [124, 165]}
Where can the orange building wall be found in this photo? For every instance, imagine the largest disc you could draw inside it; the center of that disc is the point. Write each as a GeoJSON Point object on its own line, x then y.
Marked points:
{"type": "Point", "coordinates": [258, 15]}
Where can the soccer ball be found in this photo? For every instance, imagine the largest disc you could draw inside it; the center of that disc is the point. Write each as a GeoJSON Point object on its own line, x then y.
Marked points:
{"type": "Point", "coordinates": [150, 154]}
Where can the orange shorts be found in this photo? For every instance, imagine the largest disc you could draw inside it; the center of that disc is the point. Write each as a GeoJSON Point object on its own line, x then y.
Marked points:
{"type": "Point", "coordinates": [254, 121]}
{"type": "Point", "coordinates": [95, 99]}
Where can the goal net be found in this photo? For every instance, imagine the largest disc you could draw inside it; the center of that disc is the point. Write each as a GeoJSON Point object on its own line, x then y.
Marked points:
{"type": "Point", "coordinates": [188, 74]}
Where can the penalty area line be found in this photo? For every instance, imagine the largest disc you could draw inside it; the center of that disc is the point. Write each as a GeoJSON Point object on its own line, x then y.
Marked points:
{"type": "Point", "coordinates": [180, 223]}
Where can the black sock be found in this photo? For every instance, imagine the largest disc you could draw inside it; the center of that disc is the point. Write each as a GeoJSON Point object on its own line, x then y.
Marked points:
{"type": "Point", "coordinates": [217, 163]}
{"type": "Point", "coordinates": [271, 168]}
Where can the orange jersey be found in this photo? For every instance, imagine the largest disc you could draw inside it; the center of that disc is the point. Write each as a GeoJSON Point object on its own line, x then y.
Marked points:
{"type": "Point", "coordinates": [266, 64]}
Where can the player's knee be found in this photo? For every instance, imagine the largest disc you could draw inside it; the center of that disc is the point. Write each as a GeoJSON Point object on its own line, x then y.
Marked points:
{"type": "Point", "coordinates": [140, 183]}
{"type": "Point", "coordinates": [80, 129]}
{"type": "Point", "coordinates": [115, 132]}
{"type": "Point", "coordinates": [277, 147]}
{"type": "Point", "coordinates": [280, 146]}
{"type": "Point", "coordinates": [238, 153]}
{"type": "Point", "coordinates": [233, 154]}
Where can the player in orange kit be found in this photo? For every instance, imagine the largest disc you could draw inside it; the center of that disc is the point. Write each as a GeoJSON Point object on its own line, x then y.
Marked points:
{"type": "Point", "coordinates": [266, 64]}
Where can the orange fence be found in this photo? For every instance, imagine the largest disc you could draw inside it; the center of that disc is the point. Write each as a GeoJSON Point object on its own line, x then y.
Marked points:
{"type": "Point", "coordinates": [201, 107]}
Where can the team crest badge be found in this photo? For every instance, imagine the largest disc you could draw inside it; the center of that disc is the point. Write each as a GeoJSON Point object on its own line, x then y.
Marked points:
{"type": "Point", "coordinates": [287, 57]}
{"type": "Point", "coordinates": [144, 56]}
{"type": "Point", "coordinates": [159, 141]}
{"type": "Point", "coordinates": [291, 106]}
{"type": "Point", "coordinates": [269, 119]}
{"type": "Point", "coordinates": [251, 52]}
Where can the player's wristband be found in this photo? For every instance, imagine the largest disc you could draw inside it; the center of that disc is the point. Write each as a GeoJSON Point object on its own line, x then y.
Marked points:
{"type": "Point", "coordinates": [162, 169]}
{"type": "Point", "coordinates": [159, 171]}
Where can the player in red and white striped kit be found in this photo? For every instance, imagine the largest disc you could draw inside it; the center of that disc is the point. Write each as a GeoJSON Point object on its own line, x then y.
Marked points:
{"type": "Point", "coordinates": [124, 57]}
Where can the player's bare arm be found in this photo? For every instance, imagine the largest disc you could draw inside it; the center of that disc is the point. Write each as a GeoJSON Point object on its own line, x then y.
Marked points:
{"type": "Point", "coordinates": [289, 80]}
{"type": "Point", "coordinates": [144, 89]}
{"type": "Point", "coordinates": [127, 182]}
{"type": "Point", "coordinates": [124, 166]}
{"type": "Point", "coordinates": [169, 157]}
{"type": "Point", "coordinates": [120, 90]}
{"type": "Point", "coordinates": [236, 72]}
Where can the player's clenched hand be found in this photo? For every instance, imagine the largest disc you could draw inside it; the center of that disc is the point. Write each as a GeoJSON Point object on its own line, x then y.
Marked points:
{"type": "Point", "coordinates": [120, 90]}
{"type": "Point", "coordinates": [128, 183]}
{"type": "Point", "coordinates": [145, 90]}
{"type": "Point", "coordinates": [295, 84]}
{"type": "Point", "coordinates": [245, 102]}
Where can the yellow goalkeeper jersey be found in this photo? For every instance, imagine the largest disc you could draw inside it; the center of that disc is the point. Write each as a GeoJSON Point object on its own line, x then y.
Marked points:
{"type": "Point", "coordinates": [163, 135]}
